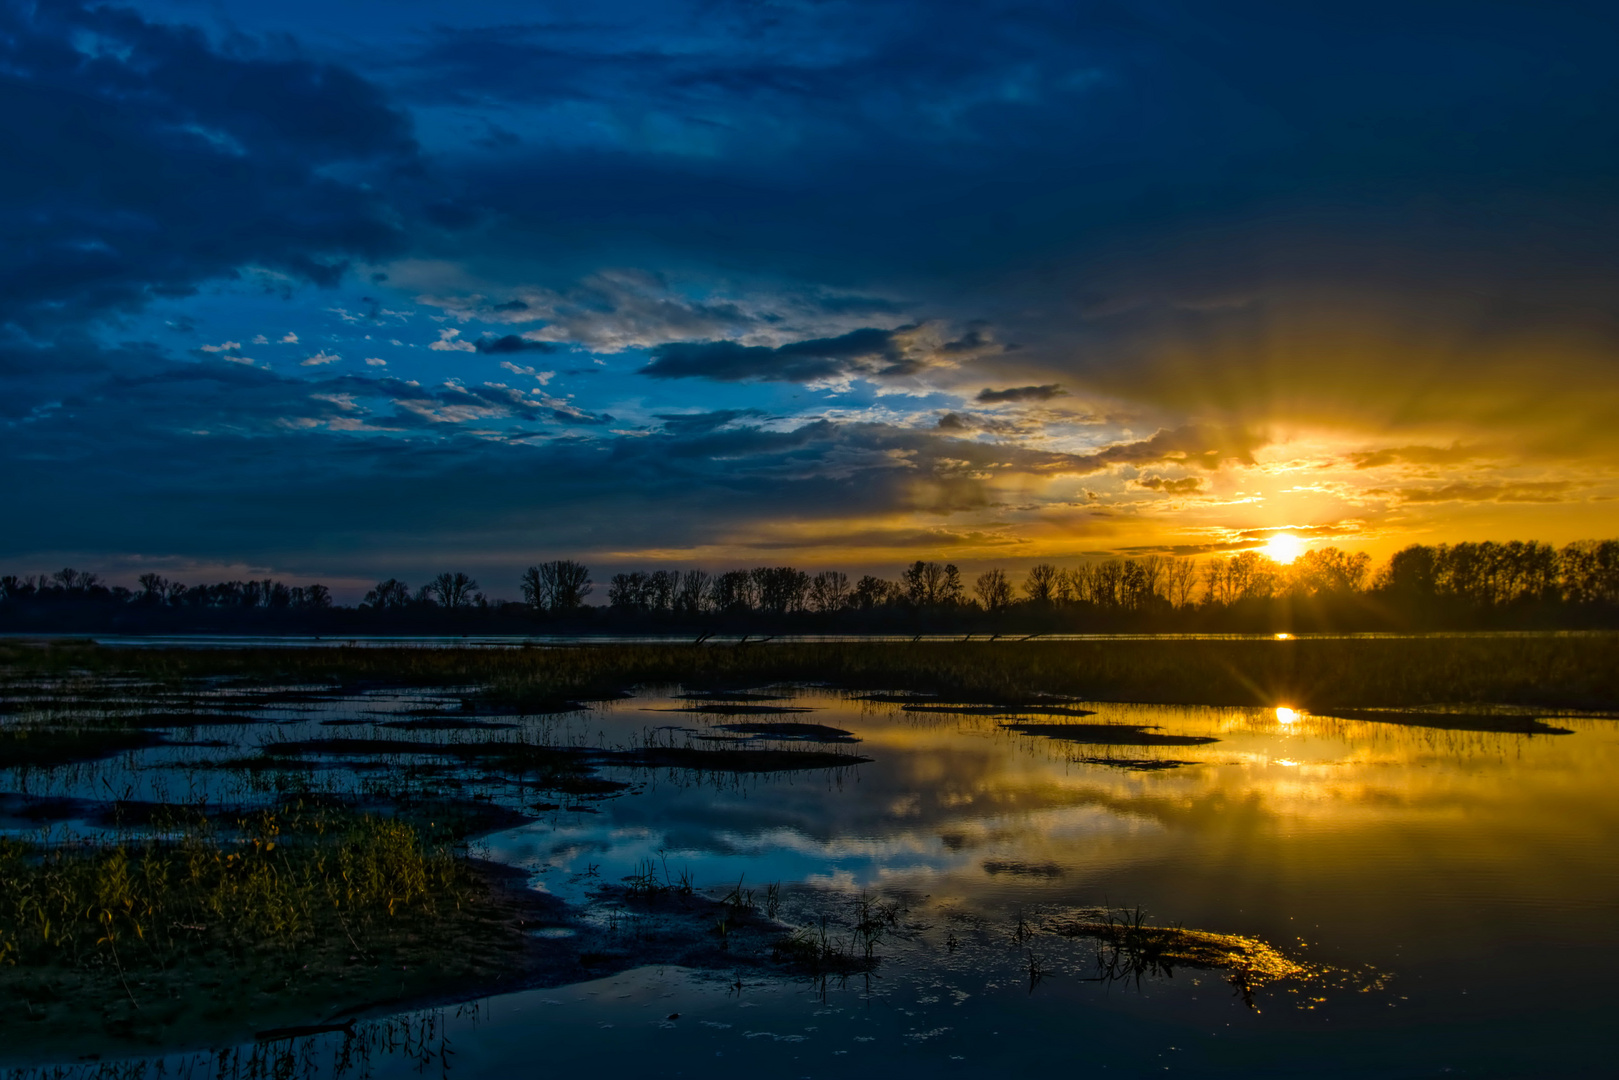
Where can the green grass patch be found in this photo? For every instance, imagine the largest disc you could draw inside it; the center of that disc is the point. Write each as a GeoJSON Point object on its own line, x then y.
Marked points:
{"type": "Point", "coordinates": [216, 927]}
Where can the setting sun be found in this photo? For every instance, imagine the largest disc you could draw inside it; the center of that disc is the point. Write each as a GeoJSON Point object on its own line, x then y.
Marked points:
{"type": "Point", "coordinates": [1284, 548]}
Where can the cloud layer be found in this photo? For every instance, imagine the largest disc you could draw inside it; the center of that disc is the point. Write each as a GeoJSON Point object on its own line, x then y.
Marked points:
{"type": "Point", "coordinates": [835, 283]}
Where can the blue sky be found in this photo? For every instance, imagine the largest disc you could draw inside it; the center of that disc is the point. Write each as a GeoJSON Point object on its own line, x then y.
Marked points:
{"type": "Point", "coordinates": [357, 290]}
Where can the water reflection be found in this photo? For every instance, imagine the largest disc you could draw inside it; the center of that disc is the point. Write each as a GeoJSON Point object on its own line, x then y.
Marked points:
{"type": "Point", "coordinates": [1309, 843]}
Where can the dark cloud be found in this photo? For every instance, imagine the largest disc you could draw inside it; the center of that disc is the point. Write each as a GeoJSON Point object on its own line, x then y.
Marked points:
{"type": "Point", "coordinates": [1521, 491]}
{"type": "Point", "coordinates": [703, 422]}
{"type": "Point", "coordinates": [221, 461]}
{"type": "Point", "coordinates": [511, 343]}
{"type": "Point", "coordinates": [1415, 455]}
{"type": "Point", "coordinates": [146, 161]}
{"type": "Point", "coordinates": [1244, 225]}
{"type": "Point", "coordinates": [868, 353]}
{"type": "Point", "coordinates": [966, 423]}
{"type": "Point", "coordinates": [1201, 445]}
{"type": "Point", "coordinates": [1021, 393]}
{"type": "Point", "coordinates": [1186, 485]}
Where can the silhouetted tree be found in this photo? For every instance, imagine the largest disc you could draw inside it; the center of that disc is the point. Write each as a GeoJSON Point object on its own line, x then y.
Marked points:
{"type": "Point", "coordinates": [1180, 581]}
{"type": "Point", "coordinates": [453, 591]}
{"type": "Point", "coordinates": [871, 593]}
{"type": "Point", "coordinates": [692, 597]}
{"type": "Point", "coordinates": [779, 589]}
{"type": "Point", "coordinates": [994, 590]}
{"type": "Point", "coordinates": [627, 592]}
{"type": "Point", "coordinates": [389, 595]}
{"type": "Point", "coordinates": [1141, 579]}
{"type": "Point", "coordinates": [828, 591]}
{"type": "Point", "coordinates": [153, 588]}
{"type": "Point", "coordinates": [1411, 576]}
{"type": "Point", "coordinates": [1065, 589]}
{"type": "Point", "coordinates": [927, 584]}
{"type": "Point", "coordinates": [1040, 583]}
{"type": "Point", "coordinates": [734, 591]}
{"type": "Point", "coordinates": [319, 597]}
{"type": "Point", "coordinates": [1328, 571]}
{"type": "Point", "coordinates": [1245, 576]}
{"type": "Point", "coordinates": [1107, 584]}
{"type": "Point", "coordinates": [1588, 572]}
{"type": "Point", "coordinates": [74, 581]}
{"type": "Point", "coordinates": [661, 586]}
{"type": "Point", "coordinates": [558, 586]}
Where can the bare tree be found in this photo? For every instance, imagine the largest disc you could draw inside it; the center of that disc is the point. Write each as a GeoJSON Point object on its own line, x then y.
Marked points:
{"type": "Point", "coordinates": [454, 591]}
{"type": "Point", "coordinates": [557, 586]}
{"type": "Point", "coordinates": [734, 591]}
{"type": "Point", "coordinates": [1180, 581]}
{"type": "Point", "coordinates": [319, 597]}
{"type": "Point", "coordinates": [1041, 582]}
{"type": "Point", "coordinates": [1246, 576]}
{"type": "Point", "coordinates": [1150, 578]}
{"type": "Point", "coordinates": [153, 588]}
{"type": "Point", "coordinates": [535, 594]}
{"type": "Point", "coordinates": [1065, 590]}
{"type": "Point", "coordinates": [389, 594]}
{"type": "Point", "coordinates": [1080, 581]}
{"type": "Point", "coordinates": [829, 591]}
{"type": "Point", "coordinates": [661, 586]}
{"type": "Point", "coordinates": [692, 598]}
{"type": "Point", "coordinates": [75, 580]}
{"type": "Point", "coordinates": [994, 590]}
{"type": "Point", "coordinates": [780, 589]}
{"type": "Point", "coordinates": [627, 592]}
{"type": "Point", "coordinates": [1107, 584]}
{"type": "Point", "coordinates": [873, 592]}
{"type": "Point", "coordinates": [925, 583]}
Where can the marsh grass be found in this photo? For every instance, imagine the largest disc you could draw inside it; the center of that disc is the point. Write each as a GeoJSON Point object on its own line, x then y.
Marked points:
{"type": "Point", "coordinates": [1130, 949]}
{"type": "Point", "coordinates": [208, 926]}
{"type": "Point", "coordinates": [47, 746]}
{"type": "Point", "coordinates": [1559, 670]}
{"type": "Point", "coordinates": [273, 883]}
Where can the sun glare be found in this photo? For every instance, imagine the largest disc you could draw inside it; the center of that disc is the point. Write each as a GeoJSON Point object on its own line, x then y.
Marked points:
{"type": "Point", "coordinates": [1285, 715]}
{"type": "Point", "coordinates": [1284, 548]}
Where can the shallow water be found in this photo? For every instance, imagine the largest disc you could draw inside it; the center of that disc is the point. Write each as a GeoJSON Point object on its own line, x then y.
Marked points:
{"type": "Point", "coordinates": [1453, 894]}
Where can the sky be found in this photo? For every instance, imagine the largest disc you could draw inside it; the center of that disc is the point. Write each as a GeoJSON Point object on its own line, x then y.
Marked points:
{"type": "Point", "coordinates": [348, 291]}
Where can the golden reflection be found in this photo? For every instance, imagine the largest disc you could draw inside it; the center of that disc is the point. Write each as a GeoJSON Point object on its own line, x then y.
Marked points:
{"type": "Point", "coordinates": [1284, 637]}
{"type": "Point", "coordinates": [1284, 548]}
{"type": "Point", "coordinates": [1284, 715]}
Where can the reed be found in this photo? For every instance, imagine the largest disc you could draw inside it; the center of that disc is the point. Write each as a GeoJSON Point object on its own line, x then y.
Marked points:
{"type": "Point", "coordinates": [1554, 670]}
{"type": "Point", "coordinates": [271, 883]}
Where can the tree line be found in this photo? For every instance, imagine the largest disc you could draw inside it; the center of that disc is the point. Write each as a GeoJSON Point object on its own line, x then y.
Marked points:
{"type": "Point", "coordinates": [1465, 584]}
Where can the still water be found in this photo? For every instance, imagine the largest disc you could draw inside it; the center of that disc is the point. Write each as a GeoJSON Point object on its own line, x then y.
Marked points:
{"type": "Point", "coordinates": [1450, 897]}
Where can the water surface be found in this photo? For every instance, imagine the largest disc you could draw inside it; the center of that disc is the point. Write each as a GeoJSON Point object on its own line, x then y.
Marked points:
{"type": "Point", "coordinates": [1452, 894]}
